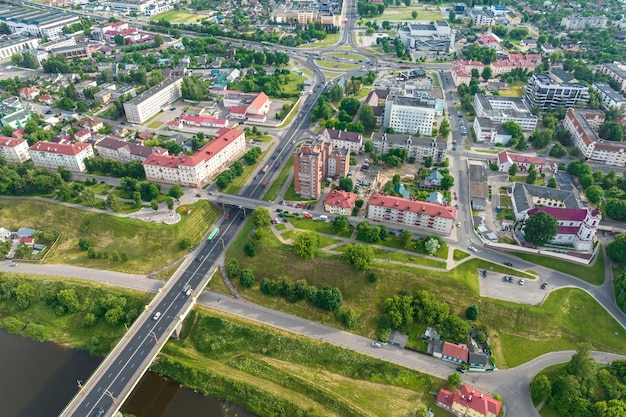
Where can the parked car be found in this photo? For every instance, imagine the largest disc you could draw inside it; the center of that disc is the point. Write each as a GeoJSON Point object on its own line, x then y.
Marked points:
{"type": "Point", "coordinates": [461, 370]}
{"type": "Point", "coordinates": [508, 264]}
{"type": "Point", "coordinates": [544, 285]}
{"type": "Point", "coordinates": [376, 345]}
{"type": "Point", "coordinates": [211, 193]}
{"type": "Point", "coordinates": [521, 281]}
{"type": "Point", "coordinates": [12, 264]}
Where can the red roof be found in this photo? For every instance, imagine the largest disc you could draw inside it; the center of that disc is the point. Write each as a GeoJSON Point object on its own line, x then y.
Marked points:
{"type": "Point", "coordinates": [18, 133]}
{"type": "Point", "coordinates": [10, 142]}
{"type": "Point", "coordinates": [83, 132]}
{"type": "Point", "coordinates": [259, 101]}
{"type": "Point", "coordinates": [419, 207]}
{"type": "Point", "coordinates": [476, 400]}
{"type": "Point", "coordinates": [59, 148]}
{"type": "Point", "coordinates": [27, 240]}
{"type": "Point", "coordinates": [238, 109]}
{"type": "Point", "coordinates": [455, 351]}
{"type": "Point", "coordinates": [343, 199]}
{"type": "Point", "coordinates": [224, 137]}
{"type": "Point", "coordinates": [199, 120]}
{"type": "Point", "coordinates": [445, 397]}
{"type": "Point", "coordinates": [561, 213]}
{"type": "Point", "coordinates": [504, 157]}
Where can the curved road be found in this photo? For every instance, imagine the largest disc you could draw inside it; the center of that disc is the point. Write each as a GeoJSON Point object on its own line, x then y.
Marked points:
{"type": "Point", "coordinates": [511, 383]}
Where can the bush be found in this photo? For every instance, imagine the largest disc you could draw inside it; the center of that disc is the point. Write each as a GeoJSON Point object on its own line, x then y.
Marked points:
{"type": "Point", "coordinates": [12, 325]}
{"type": "Point", "coordinates": [347, 317]}
{"type": "Point", "coordinates": [247, 278]}
{"type": "Point", "coordinates": [472, 312]}
{"type": "Point", "coordinates": [251, 248]}
{"type": "Point", "coordinates": [233, 269]}
{"type": "Point", "coordinates": [372, 277]}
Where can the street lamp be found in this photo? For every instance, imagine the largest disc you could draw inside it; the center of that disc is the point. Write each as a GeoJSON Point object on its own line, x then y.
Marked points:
{"type": "Point", "coordinates": [108, 393]}
{"type": "Point", "coordinates": [153, 334]}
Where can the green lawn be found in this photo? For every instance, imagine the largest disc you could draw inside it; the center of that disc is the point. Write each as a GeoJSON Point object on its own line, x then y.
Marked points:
{"type": "Point", "coordinates": [238, 182]}
{"type": "Point", "coordinates": [318, 226]}
{"type": "Point", "coordinates": [593, 274]}
{"type": "Point", "coordinates": [294, 84]}
{"type": "Point", "coordinates": [363, 92]}
{"type": "Point", "coordinates": [290, 194]}
{"type": "Point", "coordinates": [391, 255]}
{"type": "Point", "coordinates": [515, 90]}
{"type": "Point", "coordinates": [331, 75]}
{"type": "Point", "coordinates": [149, 245]}
{"type": "Point", "coordinates": [178, 16]}
{"type": "Point", "coordinates": [277, 185]}
{"type": "Point", "coordinates": [522, 178]}
{"type": "Point", "coordinates": [405, 13]}
{"type": "Point", "coordinates": [330, 39]}
{"type": "Point", "coordinates": [505, 212]}
{"type": "Point", "coordinates": [155, 124]}
{"type": "Point", "coordinates": [417, 246]}
{"type": "Point", "coordinates": [280, 227]}
{"type": "Point", "coordinates": [335, 64]}
{"type": "Point", "coordinates": [344, 55]}
{"type": "Point", "coordinates": [460, 254]}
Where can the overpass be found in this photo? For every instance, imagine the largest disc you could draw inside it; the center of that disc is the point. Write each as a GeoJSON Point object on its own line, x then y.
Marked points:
{"type": "Point", "coordinates": [112, 382]}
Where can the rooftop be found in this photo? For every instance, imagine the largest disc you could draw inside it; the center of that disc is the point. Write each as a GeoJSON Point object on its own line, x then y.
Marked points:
{"type": "Point", "coordinates": [419, 207]}
{"type": "Point", "coordinates": [150, 92]}
{"type": "Point", "coordinates": [523, 196]}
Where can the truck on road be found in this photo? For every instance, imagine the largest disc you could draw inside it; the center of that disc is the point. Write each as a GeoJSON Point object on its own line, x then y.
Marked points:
{"type": "Point", "coordinates": [265, 168]}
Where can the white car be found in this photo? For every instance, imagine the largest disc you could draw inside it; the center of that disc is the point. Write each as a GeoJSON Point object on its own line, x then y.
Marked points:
{"type": "Point", "coordinates": [156, 315]}
{"type": "Point", "coordinates": [376, 345]}
{"type": "Point", "coordinates": [521, 281]}
{"type": "Point", "coordinates": [473, 249]}
{"type": "Point", "coordinates": [12, 264]}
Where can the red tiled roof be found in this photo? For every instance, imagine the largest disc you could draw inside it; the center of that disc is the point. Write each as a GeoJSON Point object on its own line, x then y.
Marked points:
{"type": "Point", "coordinates": [476, 400]}
{"type": "Point", "coordinates": [83, 132]}
{"type": "Point", "coordinates": [10, 142]}
{"type": "Point", "coordinates": [338, 198]}
{"type": "Point", "coordinates": [259, 101]}
{"type": "Point", "coordinates": [455, 351]}
{"type": "Point", "coordinates": [567, 230]}
{"type": "Point", "coordinates": [238, 109]}
{"type": "Point", "coordinates": [504, 156]}
{"type": "Point", "coordinates": [27, 240]}
{"type": "Point", "coordinates": [202, 119]}
{"type": "Point", "coordinates": [18, 133]}
{"type": "Point", "coordinates": [445, 397]}
{"type": "Point", "coordinates": [414, 206]}
{"type": "Point", "coordinates": [59, 148]}
{"type": "Point", "coordinates": [561, 213]}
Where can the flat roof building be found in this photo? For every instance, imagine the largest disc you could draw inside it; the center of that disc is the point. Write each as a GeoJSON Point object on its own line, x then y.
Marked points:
{"type": "Point", "coordinates": [35, 22]}
{"type": "Point", "coordinates": [546, 93]}
{"type": "Point", "coordinates": [151, 101]}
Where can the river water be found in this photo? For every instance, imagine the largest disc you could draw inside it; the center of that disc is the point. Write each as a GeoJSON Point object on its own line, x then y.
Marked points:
{"type": "Point", "coordinates": [39, 379]}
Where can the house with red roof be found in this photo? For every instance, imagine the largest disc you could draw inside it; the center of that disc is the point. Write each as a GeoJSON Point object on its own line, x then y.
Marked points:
{"type": "Point", "coordinates": [53, 155]}
{"type": "Point", "coordinates": [340, 202]}
{"type": "Point", "coordinates": [203, 121]}
{"type": "Point", "coordinates": [343, 139]}
{"type": "Point", "coordinates": [175, 124]}
{"type": "Point", "coordinates": [29, 93]}
{"type": "Point", "coordinates": [46, 98]}
{"type": "Point", "coordinates": [238, 112]}
{"type": "Point", "coordinates": [14, 150]}
{"type": "Point", "coordinates": [504, 160]}
{"type": "Point", "coordinates": [467, 401]}
{"type": "Point", "coordinates": [577, 227]}
{"type": "Point", "coordinates": [82, 135]}
{"type": "Point", "coordinates": [28, 241]}
{"type": "Point", "coordinates": [260, 104]}
{"type": "Point", "coordinates": [120, 150]}
{"type": "Point", "coordinates": [195, 170]}
{"type": "Point", "coordinates": [454, 353]}
{"type": "Point", "coordinates": [429, 217]}
{"type": "Point", "coordinates": [18, 133]}
{"type": "Point", "coordinates": [489, 40]}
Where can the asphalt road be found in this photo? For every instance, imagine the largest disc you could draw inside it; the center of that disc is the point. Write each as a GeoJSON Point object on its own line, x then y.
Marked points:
{"type": "Point", "coordinates": [125, 365]}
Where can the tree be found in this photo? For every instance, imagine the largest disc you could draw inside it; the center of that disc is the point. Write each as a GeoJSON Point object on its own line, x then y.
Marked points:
{"type": "Point", "coordinates": [68, 299]}
{"type": "Point", "coordinates": [594, 194]}
{"type": "Point", "coordinates": [540, 388]}
{"type": "Point", "coordinates": [611, 131]}
{"type": "Point", "coordinates": [340, 223]}
{"type": "Point", "coordinates": [472, 312]}
{"type": "Point", "coordinates": [346, 184]}
{"type": "Point", "coordinates": [247, 278]}
{"type": "Point", "coordinates": [451, 15]}
{"type": "Point", "coordinates": [158, 40]}
{"type": "Point", "coordinates": [406, 237]}
{"type": "Point", "coordinates": [444, 128]}
{"type": "Point", "coordinates": [233, 268]}
{"type": "Point", "coordinates": [360, 256]}
{"type": "Point", "coordinates": [513, 169]}
{"type": "Point", "coordinates": [542, 138]}
{"type": "Point", "coordinates": [186, 243]}
{"type": "Point", "coordinates": [350, 106]}
{"type": "Point", "coordinates": [432, 245]}
{"type": "Point", "coordinates": [540, 228]}
{"type": "Point", "coordinates": [486, 74]}
{"type": "Point", "coordinates": [175, 191]}
{"type": "Point", "coordinates": [119, 40]}
{"type": "Point", "coordinates": [306, 244]}
{"type": "Point", "coordinates": [558, 151]}
{"type": "Point", "coordinates": [251, 248]}
{"type": "Point", "coordinates": [552, 183]}
{"type": "Point", "coordinates": [66, 103]}
{"type": "Point", "coordinates": [367, 118]}
{"type": "Point", "coordinates": [368, 146]}
{"type": "Point", "coordinates": [336, 93]}
{"type": "Point", "coordinates": [514, 129]}
{"type": "Point", "coordinates": [531, 177]}
{"type": "Point", "coordinates": [347, 317]}
{"type": "Point", "coordinates": [428, 161]}
{"type": "Point", "coordinates": [414, 14]}
{"type": "Point", "coordinates": [447, 181]}
{"type": "Point", "coordinates": [261, 217]}
{"type": "Point", "coordinates": [616, 250]}
{"type": "Point", "coordinates": [612, 408]}
{"type": "Point", "coordinates": [25, 294]}
{"type": "Point", "coordinates": [454, 379]}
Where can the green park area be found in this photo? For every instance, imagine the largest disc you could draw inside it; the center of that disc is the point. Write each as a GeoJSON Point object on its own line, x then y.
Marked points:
{"type": "Point", "coordinates": [424, 13]}
{"type": "Point", "coordinates": [344, 56]}
{"type": "Point", "coordinates": [178, 16]}
{"type": "Point", "coordinates": [518, 333]}
{"type": "Point", "coordinates": [148, 245]}
{"type": "Point", "coordinates": [330, 39]}
{"type": "Point", "coordinates": [593, 274]}
{"type": "Point", "coordinates": [335, 64]}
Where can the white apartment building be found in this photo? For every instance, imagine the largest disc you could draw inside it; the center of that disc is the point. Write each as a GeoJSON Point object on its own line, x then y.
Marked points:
{"type": "Point", "coordinates": [482, 18]}
{"type": "Point", "coordinates": [577, 22]}
{"type": "Point", "coordinates": [151, 101]}
{"type": "Point", "coordinates": [616, 71]}
{"type": "Point", "coordinates": [493, 111]}
{"type": "Point", "coordinates": [583, 125]}
{"type": "Point", "coordinates": [342, 139]}
{"type": "Point", "coordinates": [195, 170]}
{"type": "Point", "coordinates": [144, 7]}
{"type": "Point", "coordinates": [17, 46]}
{"type": "Point", "coordinates": [412, 115]}
{"type": "Point", "coordinates": [14, 151]}
{"type": "Point", "coordinates": [609, 98]}
{"type": "Point", "coordinates": [53, 155]}
{"type": "Point", "coordinates": [417, 147]}
{"type": "Point", "coordinates": [35, 22]}
{"type": "Point", "coordinates": [430, 217]}
{"type": "Point", "coordinates": [546, 93]}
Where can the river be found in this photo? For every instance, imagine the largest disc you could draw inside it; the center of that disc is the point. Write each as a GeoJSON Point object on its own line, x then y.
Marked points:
{"type": "Point", "coordinates": [39, 379]}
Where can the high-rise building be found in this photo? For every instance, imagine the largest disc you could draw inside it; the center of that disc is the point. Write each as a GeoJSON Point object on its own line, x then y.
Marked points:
{"type": "Point", "coordinates": [413, 115]}
{"type": "Point", "coordinates": [546, 93]}
{"type": "Point", "coordinates": [151, 101]}
{"type": "Point", "coordinates": [315, 161]}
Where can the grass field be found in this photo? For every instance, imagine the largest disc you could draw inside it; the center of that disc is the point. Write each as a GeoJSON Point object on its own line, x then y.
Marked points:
{"type": "Point", "coordinates": [592, 274]}
{"type": "Point", "coordinates": [318, 226]}
{"type": "Point", "coordinates": [517, 332]}
{"type": "Point", "coordinates": [404, 13]}
{"type": "Point", "coordinates": [274, 189]}
{"type": "Point", "coordinates": [155, 124]}
{"type": "Point", "coordinates": [335, 65]}
{"type": "Point", "coordinates": [238, 182]}
{"type": "Point", "coordinates": [330, 39]}
{"type": "Point", "coordinates": [460, 255]}
{"type": "Point", "coordinates": [178, 16]}
{"type": "Point", "coordinates": [149, 245]}
{"type": "Point", "coordinates": [522, 178]}
{"type": "Point", "coordinates": [513, 91]}
{"type": "Point", "coordinates": [389, 255]}
{"type": "Point", "coordinates": [290, 194]}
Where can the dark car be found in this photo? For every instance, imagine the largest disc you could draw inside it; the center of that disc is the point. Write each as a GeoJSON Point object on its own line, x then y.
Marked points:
{"type": "Point", "coordinates": [544, 285]}
{"type": "Point", "coordinates": [508, 264]}
{"type": "Point", "coordinates": [199, 258]}
{"type": "Point", "coordinates": [461, 370]}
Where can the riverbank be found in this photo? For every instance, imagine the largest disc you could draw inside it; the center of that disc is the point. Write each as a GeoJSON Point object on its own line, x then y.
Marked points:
{"type": "Point", "coordinates": [267, 371]}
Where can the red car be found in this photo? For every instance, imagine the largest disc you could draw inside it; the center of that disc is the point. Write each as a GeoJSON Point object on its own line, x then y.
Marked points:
{"type": "Point", "coordinates": [227, 216]}
{"type": "Point", "coordinates": [263, 184]}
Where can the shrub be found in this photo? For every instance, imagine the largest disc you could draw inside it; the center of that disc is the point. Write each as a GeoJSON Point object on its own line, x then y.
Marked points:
{"type": "Point", "coordinates": [247, 278]}
{"type": "Point", "coordinates": [233, 269]}
{"type": "Point", "coordinates": [347, 317]}
{"type": "Point", "coordinates": [472, 312]}
{"type": "Point", "coordinates": [372, 277]}
{"type": "Point", "coordinates": [251, 248]}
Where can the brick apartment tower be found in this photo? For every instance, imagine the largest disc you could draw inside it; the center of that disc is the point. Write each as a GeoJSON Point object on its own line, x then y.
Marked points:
{"type": "Point", "coordinates": [313, 162]}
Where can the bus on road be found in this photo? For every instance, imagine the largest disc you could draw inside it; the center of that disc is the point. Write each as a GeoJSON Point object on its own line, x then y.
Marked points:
{"type": "Point", "coordinates": [213, 233]}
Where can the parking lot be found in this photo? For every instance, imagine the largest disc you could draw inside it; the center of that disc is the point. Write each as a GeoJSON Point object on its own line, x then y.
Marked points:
{"type": "Point", "coordinates": [508, 288]}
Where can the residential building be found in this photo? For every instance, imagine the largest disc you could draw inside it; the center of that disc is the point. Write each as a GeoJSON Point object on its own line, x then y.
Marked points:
{"type": "Point", "coordinates": [92, 123]}
{"type": "Point", "coordinates": [13, 114]}
{"type": "Point", "coordinates": [462, 70]}
{"type": "Point", "coordinates": [18, 45]}
{"type": "Point", "coordinates": [14, 151]}
{"type": "Point", "coordinates": [203, 121]}
{"type": "Point", "coordinates": [195, 170]}
{"type": "Point", "coordinates": [425, 36]}
{"type": "Point", "coordinates": [616, 71]}
{"type": "Point", "coordinates": [246, 106]}
{"type": "Point", "coordinates": [82, 135]}
{"type": "Point", "coordinates": [151, 101]}
{"type": "Point", "coordinates": [577, 227]}
{"type": "Point", "coordinates": [499, 110]}
{"type": "Point", "coordinates": [467, 401]}
{"type": "Point", "coordinates": [489, 40]}
{"type": "Point", "coordinates": [53, 155]}
{"type": "Point", "coordinates": [418, 147]}
{"type": "Point", "coordinates": [29, 93]}
{"type": "Point", "coordinates": [478, 185]}
{"type": "Point", "coordinates": [482, 18]}
{"type": "Point", "coordinates": [498, 10]}
{"type": "Point", "coordinates": [120, 150]}
{"type": "Point", "coordinates": [343, 139]}
{"type": "Point", "coordinates": [512, 18]}
{"type": "Point", "coordinates": [76, 51]}
{"type": "Point", "coordinates": [377, 97]}
{"type": "Point", "coordinates": [340, 202]}
{"type": "Point", "coordinates": [418, 214]}
{"type": "Point", "coordinates": [413, 115]}
{"type": "Point", "coordinates": [454, 353]}
{"type": "Point", "coordinates": [544, 92]}
{"type": "Point", "coordinates": [504, 160]}
{"type": "Point", "coordinates": [528, 196]}
{"type": "Point", "coordinates": [583, 126]}
{"type": "Point", "coordinates": [577, 22]}
{"type": "Point", "coordinates": [36, 22]}
{"type": "Point", "coordinates": [315, 161]}
{"type": "Point", "coordinates": [610, 98]}
{"type": "Point", "coordinates": [141, 7]}
{"type": "Point", "coordinates": [82, 86]}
